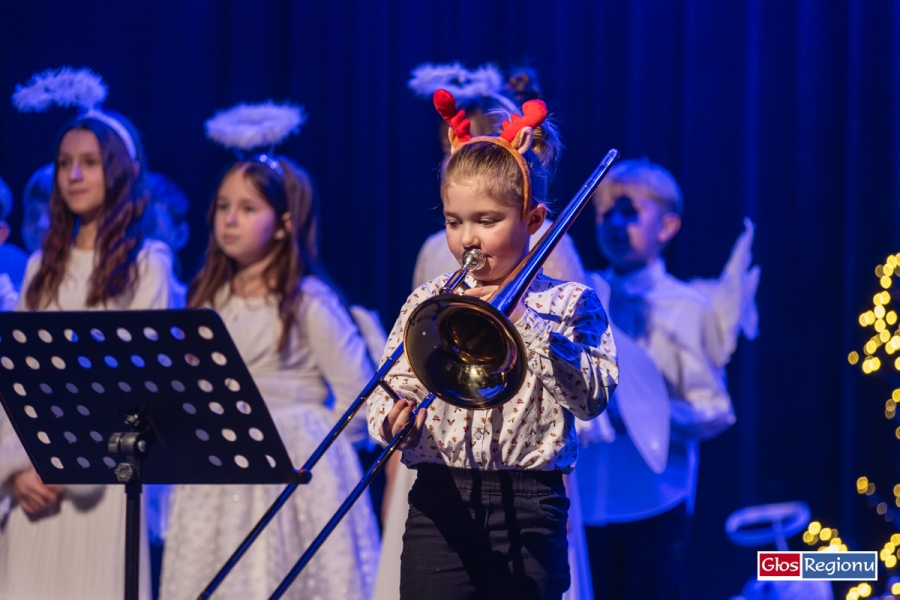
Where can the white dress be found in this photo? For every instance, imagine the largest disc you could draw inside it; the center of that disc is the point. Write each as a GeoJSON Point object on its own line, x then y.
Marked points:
{"type": "Point", "coordinates": [207, 523]}
{"type": "Point", "coordinates": [78, 552]}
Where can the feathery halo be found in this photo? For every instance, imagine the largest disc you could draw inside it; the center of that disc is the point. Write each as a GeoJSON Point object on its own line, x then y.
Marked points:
{"type": "Point", "coordinates": [253, 126]}
{"type": "Point", "coordinates": [64, 86]}
{"type": "Point", "coordinates": [459, 81]}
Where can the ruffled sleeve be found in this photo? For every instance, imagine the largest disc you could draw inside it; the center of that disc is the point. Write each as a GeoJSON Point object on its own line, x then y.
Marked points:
{"type": "Point", "coordinates": [733, 299]}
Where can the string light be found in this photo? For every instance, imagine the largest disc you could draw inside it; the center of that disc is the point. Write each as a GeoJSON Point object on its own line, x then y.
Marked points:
{"type": "Point", "coordinates": [881, 317]}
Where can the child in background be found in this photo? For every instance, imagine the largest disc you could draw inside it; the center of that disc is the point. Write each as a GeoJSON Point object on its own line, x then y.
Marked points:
{"type": "Point", "coordinates": [167, 221]}
{"type": "Point", "coordinates": [638, 517]}
{"type": "Point", "coordinates": [488, 511]}
{"type": "Point", "coordinates": [12, 259]}
{"type": "Point", "coordinates": [94, 257]}
{"type": "Point", "coordinates": [301, 346]}
{"type": "Point", "coordinates": [36, 207]}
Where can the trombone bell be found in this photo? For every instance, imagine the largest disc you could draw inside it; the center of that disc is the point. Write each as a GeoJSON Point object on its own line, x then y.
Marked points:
{"type": "Point", "coordinates": [465, 351]}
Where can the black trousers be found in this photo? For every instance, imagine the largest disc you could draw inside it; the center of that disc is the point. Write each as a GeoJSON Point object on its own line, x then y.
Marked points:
{"type": "Point", "coordinates": [485, 534]}
{"type": "Point", "coordinates": [642, 559]}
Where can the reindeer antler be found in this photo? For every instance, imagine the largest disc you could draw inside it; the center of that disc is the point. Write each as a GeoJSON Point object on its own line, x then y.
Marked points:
{"type": "Point", "coordinates": [535, 112]}
{"type": "Point", "coordinates": [445, 104]}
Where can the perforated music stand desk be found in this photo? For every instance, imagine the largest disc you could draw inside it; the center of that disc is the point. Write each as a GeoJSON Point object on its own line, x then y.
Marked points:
{"type": "Point", "coordinates": [134, 397]}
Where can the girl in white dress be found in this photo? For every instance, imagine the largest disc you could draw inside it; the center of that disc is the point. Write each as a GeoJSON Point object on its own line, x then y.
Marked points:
{"type": "Point", "coordinates": [69, 541]}
{"type": "Point", "coordinates": [309, 362]}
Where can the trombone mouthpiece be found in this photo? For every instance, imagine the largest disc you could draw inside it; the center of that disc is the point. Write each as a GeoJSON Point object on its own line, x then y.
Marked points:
{"type": "Point", "coordinates": [473, 259]}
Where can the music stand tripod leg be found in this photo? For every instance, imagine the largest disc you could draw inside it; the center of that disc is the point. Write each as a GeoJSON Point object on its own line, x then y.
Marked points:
{"type": "Point", "coordinates": [133, 447]}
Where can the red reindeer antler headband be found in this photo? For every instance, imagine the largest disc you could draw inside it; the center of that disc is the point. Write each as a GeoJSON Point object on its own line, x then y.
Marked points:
{"type": "Point", "coordinates": [516, 134]}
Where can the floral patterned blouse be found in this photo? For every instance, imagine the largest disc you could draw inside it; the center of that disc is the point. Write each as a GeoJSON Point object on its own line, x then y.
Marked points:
{"type": "Point", "coordinates": [572, 370]}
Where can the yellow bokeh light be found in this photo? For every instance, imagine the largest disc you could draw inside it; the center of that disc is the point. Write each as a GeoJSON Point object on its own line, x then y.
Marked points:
{"type": "Point", "coordinates": [885, 297]}
{"type": "Point", "coordinates": [895, 539]}
{"type": "Point", "coordinates": [852, 594]}
{"type": "Point", "coordinates": [879, 311]}
{"type": "Point", "coordinates": [888, 270]}
{"type": "Point", "coordinates": [897, 433]}
{"type": "Point", "coordinates": [864, 589]}
{"type": "Point", "coordinates": [895, 395]}
{"type": "Point", "coordinates": [880, 325]}
{"type": "Point", "coordinates": [897, 364]}
{"type": "Point", "coordinates": [867, 366]}
{"type": "Point", "coordinates": [862, 320]}
{"type": "Point", "coordinates": [885, 337]}
{"type": "Point", "coordinates": [815, 527]}
{"type": "Point", "coordinates": [825, 534]}
{"type": "Point", "coordinates": [810, 538]}
{"type": "Point", "coordinates": [853, 357]}
{"type": "Point", "coordinates": [891, 317]}
{"type": "Point", "coordinates": [890, 348]}
{"type": "Point", "coordinates": [886, 282]}
{"type": "Point", "coordinates": [876, 299]}
{"type": "Point", "coordinates": [891, 260]}
{"type": "Point", "coordinates": [891, 562]}
{"type": "Point", "coordinates": [879, 271]}
{"type": "Point", "coordinates": [895, 589]}
{"type": "Point", "coordinates": [871, 347]}
{"type": "Point", "coordinates": [876, 363]}
{"type": "Point", "coordinates": [870, 317]}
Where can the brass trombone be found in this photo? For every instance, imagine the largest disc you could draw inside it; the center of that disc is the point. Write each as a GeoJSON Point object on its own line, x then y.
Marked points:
{"type": "Point", "coordinates": [464, 351]}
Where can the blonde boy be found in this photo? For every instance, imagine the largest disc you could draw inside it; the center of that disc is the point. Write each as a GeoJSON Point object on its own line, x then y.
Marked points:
{"type": "Point", "coordinates": [637, 520]}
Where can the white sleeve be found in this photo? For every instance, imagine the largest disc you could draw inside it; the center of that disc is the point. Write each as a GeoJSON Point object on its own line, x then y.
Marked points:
{"type": "Point", "coordinates": [702, 407]}
{"type": "Point", "coordinates": [341, 354]}
{"type": "Point", "coordinates": [13, 457]}
{"type": "Point", "coordinates": [564, 263]}
{"type": "Point", "coordinates": [156, 279]}
{"type": "Point", "coordinates": [434, 259]}
{"type": "Point", "coordinates": [34, 262]}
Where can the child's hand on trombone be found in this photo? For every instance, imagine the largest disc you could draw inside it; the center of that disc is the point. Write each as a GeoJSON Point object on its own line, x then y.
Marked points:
{"type": "Point", "coordinates": [397, 418]}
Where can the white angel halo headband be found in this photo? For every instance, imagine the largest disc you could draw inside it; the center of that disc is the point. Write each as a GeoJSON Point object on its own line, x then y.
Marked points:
{"type": "Point", "coordinates": [464, 85]}
{"type": "Point", "coordinates": [246, 128]}
{"type": "Point", "coordinates": [72, 87]}
{"type": "Point", "coordinates": [116, 126]}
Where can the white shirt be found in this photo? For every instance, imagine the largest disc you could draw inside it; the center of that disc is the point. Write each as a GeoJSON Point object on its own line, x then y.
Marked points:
{"type": "Point", "coordinates": [435, 258]}
{"type": "Point", "coordinates": [571, 370]}
{"type": "Point", "coordinates": [676, 326]}
{"type": "Point", "coordinates": [154, 288]}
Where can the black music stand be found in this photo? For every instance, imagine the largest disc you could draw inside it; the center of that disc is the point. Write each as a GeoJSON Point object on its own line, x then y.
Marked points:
{"type": "Point", "coordinates": [134, 397]}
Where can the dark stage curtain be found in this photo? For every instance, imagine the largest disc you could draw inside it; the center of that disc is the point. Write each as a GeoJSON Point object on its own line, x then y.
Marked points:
{"type": "Point", "coordinates": [783, 111]}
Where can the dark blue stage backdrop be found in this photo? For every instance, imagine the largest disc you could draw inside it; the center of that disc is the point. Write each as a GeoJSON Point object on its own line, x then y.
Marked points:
{"type": "Point", "coordinates": [784, 111]}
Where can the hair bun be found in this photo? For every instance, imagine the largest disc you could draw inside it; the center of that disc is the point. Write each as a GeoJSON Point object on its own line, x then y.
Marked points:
{"type": "Point", "coordinates": [522, 85]}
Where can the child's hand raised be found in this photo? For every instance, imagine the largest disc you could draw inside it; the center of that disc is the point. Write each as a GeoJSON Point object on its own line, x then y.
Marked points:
{"type": "Point", "coordinates": [34, 496]}
{"type": "Point", "coordinates": [486, 292]}
{"type": "Point", "coordinates": [397, 418]}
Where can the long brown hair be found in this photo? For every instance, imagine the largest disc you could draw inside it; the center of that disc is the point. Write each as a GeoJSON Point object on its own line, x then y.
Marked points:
{"type": "Point", "coordinates": [119, 236]}
{"type": "Point", "coordinates": [293, 255]}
